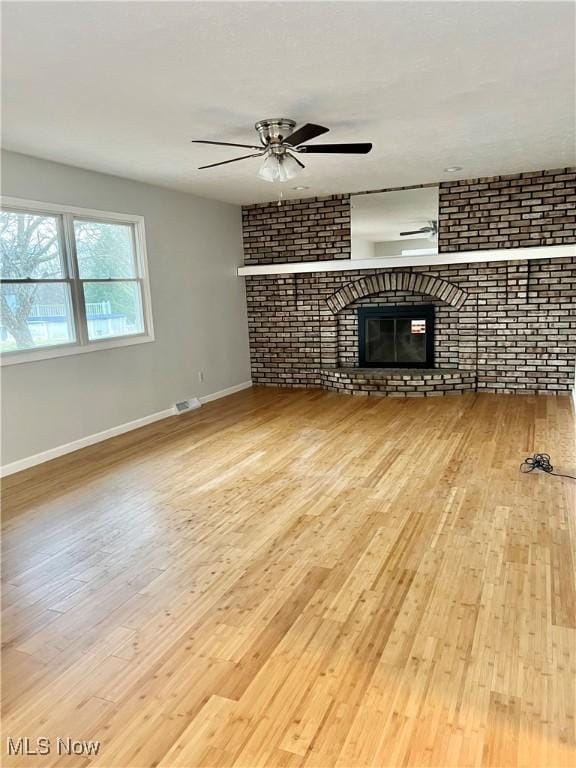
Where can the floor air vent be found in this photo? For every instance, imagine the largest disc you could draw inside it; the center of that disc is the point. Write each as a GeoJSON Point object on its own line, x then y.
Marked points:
{"type": "Point", "coordinates": [187, 405]}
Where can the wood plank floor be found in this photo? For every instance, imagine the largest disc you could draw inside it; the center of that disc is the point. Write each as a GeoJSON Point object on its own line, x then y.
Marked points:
{"type": "Point", "coordinates": [295, 578]}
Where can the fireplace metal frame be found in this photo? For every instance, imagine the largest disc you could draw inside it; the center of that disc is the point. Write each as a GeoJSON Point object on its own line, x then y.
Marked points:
{"type": "Point", "coordinates": [415, 312]}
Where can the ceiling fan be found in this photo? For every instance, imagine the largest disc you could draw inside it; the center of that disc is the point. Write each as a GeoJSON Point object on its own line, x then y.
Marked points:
{"type": "Point", "coordinates": [280, 146]}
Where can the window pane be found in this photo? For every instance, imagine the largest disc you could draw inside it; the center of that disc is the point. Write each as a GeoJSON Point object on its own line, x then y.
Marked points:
{"type": "Point", "coordinates": [113, 309]}
{"type": "Point", "coordinates": [104, 250]}
{"type": "Point", "coordinates": [29, 246]}
{"type": "Point", "coordinates": [35, 315]}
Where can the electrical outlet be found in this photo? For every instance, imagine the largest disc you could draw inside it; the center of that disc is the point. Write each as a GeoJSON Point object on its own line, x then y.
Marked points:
{"type": "Point", "coordinates": [200, 376]}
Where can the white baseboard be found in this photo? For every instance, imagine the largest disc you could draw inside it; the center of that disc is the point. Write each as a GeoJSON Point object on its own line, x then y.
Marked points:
{"type": "Point", "coordinates": [98, 437]}
{"type": "Point", "coordinates": [225, 392]}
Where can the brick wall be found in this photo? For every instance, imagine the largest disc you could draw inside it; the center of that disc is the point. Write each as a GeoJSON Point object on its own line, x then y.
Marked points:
{"type": "Point", "coordinates": [313, 229]}
{"type": "Point", "coordinates": [519, 210]}
{"type": "Point", "coordinates": [516, 331]}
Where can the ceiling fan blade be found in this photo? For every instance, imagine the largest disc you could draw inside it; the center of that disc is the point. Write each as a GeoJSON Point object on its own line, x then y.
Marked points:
{"type": "Point", "coordinates": [422, 231]}
{"type": "Point", "coordinates": [305, 133]}
{"type": "Point", "coordinates": [234, 160]}
{"type": "Point", "coordinates": [345, 149]}
{"type": "Point", "coordinates": [300, 163]}
{"type": "Point", "coordinates": [224, 144]}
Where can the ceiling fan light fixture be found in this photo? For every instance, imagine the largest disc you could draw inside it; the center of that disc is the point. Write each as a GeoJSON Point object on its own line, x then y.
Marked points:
{"type": "Point", "coordinates": [278, 168]}
{"type": "Point", "coordinates": [269, 170]}
{"type": "Point", "coordinates": [288, 167]}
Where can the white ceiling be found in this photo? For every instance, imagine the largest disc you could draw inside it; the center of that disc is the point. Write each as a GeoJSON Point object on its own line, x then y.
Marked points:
{"type": "Point", "coordinates": [122, 87]}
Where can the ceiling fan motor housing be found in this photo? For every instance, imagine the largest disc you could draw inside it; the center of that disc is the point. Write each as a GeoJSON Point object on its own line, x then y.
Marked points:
{"type": "Point", "coordinates": [274, 131]}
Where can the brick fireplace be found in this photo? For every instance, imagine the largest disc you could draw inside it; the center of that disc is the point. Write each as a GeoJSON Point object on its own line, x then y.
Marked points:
{"type": "Point", "coordinates": [506, 326]}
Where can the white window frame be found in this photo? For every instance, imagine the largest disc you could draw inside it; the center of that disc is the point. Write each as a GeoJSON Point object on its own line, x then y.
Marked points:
{"type": "Point", "coordinates": [82, 344]}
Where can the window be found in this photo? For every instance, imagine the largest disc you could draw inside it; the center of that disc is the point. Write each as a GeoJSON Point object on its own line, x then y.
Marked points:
{"type": "Point", "coordinates": [71, 281]}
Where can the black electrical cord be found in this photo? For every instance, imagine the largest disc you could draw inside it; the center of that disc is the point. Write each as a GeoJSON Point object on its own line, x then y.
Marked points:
{"type": "Point", "coordinates": [541, 461]}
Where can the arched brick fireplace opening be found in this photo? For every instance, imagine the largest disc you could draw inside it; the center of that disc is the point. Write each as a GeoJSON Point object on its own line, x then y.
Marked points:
{"type": "Point", "coordinates": [384, 282]}
{"type": "Point", "coordinates": [455, 358]}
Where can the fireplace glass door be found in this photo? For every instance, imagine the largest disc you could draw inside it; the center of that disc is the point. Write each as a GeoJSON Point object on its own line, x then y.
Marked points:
{"type": "Point", "coordinates": [396, 337]}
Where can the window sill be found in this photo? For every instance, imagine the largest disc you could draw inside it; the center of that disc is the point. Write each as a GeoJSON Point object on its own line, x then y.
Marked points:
{"type": "Point", "coordinates": [47, 353]}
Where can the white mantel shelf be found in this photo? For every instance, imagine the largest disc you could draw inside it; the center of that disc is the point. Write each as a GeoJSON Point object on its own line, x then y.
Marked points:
{"type": "Point", "coordinates": [385, 262]}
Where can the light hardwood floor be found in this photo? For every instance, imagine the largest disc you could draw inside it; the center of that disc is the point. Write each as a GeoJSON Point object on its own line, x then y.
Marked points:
{"type": "Point", "coordinates": [294, 578]}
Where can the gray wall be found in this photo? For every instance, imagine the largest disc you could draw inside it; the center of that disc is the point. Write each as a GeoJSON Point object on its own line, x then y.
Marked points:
{"type": "Point", "coordinates": [194, 246]}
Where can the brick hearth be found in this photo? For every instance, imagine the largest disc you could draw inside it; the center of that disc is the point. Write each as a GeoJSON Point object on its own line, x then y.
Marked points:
{"type": "Point", "coordinates": [397, 383]}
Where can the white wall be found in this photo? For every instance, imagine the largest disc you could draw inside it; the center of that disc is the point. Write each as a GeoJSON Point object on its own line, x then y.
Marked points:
{"type": "Point", "coordinates": [198, 303]}
{"type": "Point", "coordinates": [395, 247]}
{"type": "Point", "coordinates": [362, 249]}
